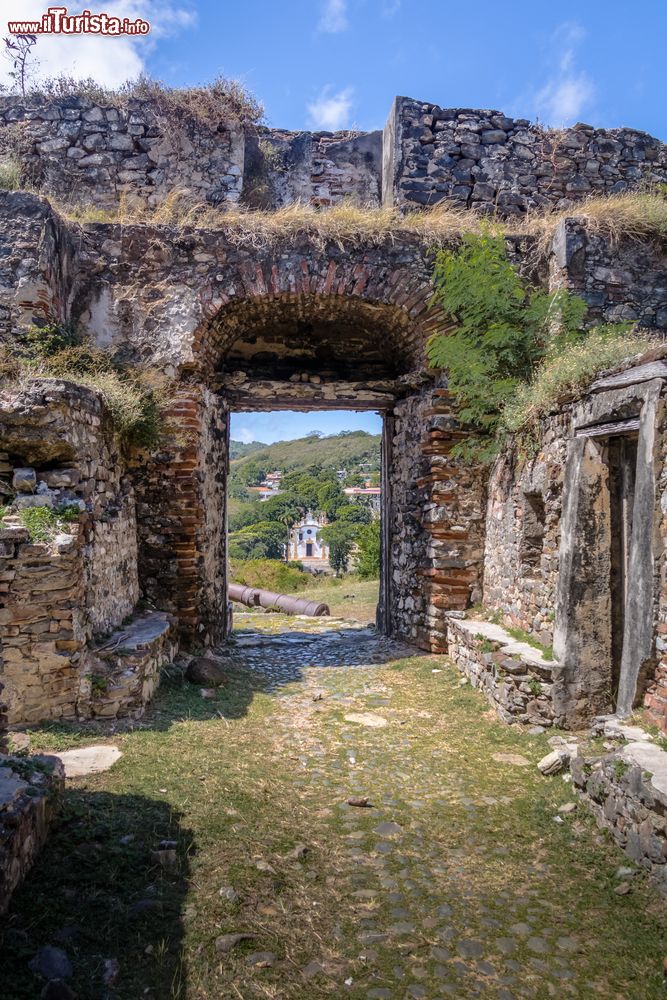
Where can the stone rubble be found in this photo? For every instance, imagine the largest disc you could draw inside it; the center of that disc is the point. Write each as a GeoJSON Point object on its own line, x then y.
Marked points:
{"type": "Point", "coordinates": [30, 790]}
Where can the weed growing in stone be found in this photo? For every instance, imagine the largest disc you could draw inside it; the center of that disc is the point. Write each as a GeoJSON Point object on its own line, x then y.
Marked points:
{"type": "Point", "coordinates": [563, 373]}
{"type": "Point", "coordinates": [43, 523]}
{"type": "Point", "coordinates": [135, 396]}
{"type": "Point", "coordinates": [222, 100]}
{"type": "Point", "coordinates": [521, 635]}
{"type": "Point", "coordinates": [10, 174]}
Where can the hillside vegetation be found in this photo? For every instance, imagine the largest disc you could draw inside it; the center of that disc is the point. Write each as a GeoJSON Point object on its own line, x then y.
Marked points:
{"type": "Point", "coordinates": [239, 449]}
{"type": "Point", "coordinates": [347, 450]}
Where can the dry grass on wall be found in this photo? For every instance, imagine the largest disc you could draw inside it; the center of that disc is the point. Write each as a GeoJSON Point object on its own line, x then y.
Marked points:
{"type": "Point", "coordinates": [638, 216]}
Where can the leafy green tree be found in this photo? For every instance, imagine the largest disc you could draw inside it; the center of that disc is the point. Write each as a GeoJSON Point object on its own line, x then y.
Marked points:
{"type": "Point", "coordinates": [340, 537]}
{"type": "Point", "coordinates": [354, 513]}
{"type": "Point", "coordinates": [284, 508]}
{"type": "Point", "coordinates": [369, 541]}
{"type": "Point", "coordinates": [245, 514]}
{"type": "Point", "coordinates": [265, 540]}
{"type": "Point", "coordinates": [503, 329]}
{"type": "Point", "coordinates": [330, 497]}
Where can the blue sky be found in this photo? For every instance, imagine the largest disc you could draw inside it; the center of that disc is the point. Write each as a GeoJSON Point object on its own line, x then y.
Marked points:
{"type": "Point", "coordinates": [339, 63]}
{"type": "Point", "coordinates": [287, 424]}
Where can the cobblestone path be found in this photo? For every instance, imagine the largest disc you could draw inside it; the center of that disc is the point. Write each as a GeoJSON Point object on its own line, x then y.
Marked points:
{"type": "Point", "coordinates": [460, 872]}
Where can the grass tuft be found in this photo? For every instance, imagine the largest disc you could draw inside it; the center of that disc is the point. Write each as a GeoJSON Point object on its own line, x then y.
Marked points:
{"type": "Point", "coordinates": [221, 100]}
{"type": "Point", "coordinates": [565, 374]}
{"type": "Point", "coordinates": [637, 216]}
{"type": "Point", "coordinates": [632, 216]}
{"type": "Point", "coordinates": [10, 174]}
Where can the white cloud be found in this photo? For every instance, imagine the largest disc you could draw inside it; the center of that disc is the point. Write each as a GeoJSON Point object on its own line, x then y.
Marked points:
{"type": "Point", "coordinates": [390, 7]}
{"type": "Point", "coordinates": [243, 434]}
{"type": "Point", "coordinates": [569, 91]}
{"type": "Point", "coordinates": [331, 111]}
{"type": "Point", "coordinates": [333, 17]}
{"type": "Point", "coordinates": [109, 60]}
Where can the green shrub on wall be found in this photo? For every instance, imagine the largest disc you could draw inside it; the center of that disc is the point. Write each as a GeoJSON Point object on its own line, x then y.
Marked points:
{"type": "Point", "coordinates": [135, 396]}
{"type": "Point", "coordinates": [515, 350]}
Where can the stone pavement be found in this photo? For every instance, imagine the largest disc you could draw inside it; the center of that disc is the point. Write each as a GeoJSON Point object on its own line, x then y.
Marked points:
{"type": "Point", "coordinates": [444, 903]}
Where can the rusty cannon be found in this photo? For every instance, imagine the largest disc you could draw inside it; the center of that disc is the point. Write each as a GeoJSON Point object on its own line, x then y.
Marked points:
{"type": "Point", "coordinates": [253, 597]}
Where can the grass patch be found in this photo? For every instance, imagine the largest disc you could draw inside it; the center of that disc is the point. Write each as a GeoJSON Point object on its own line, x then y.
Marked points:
{"type": "Point", "coordinates": [637, 217]}
{"type": "Point", "coordinates": [269, 574]}
{"type": "Point", "coordinates": [44, 523]}
{"type": "Point", "coordinates": [53, 737]}
{"type": "Point", "coordinates": [634, 215]}
{"type": "Point", "coordinates": [344, 224]}
{"type": "Point", "coordinates": [222, 100]}
{"type": "Point", "coordinates": [10, 174]}
{"type": "Point", "coordinates": [521, 635]}
{"type": "Point", "coordinates": [242, 788]}
{"type": "Point", "coordinates": [564, 374]}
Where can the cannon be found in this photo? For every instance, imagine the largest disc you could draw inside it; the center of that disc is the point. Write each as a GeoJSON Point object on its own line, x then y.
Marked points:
{"type": "Point", "coordinates": [253, 597]}
{"type": "Point", "coordinates": [243, 595]}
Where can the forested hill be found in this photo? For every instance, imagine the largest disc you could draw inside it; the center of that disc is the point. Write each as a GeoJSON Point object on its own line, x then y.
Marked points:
{"type": "Point", "coordinates": [239, 449]}
{"type": "Point", "coordinates": [348, 450]}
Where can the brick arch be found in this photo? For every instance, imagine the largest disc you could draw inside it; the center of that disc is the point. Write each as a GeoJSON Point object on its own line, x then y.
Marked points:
{"type": "Point", "coordinates": [385, 292]}
{"type": "Point", "coordinates": [432, 519]}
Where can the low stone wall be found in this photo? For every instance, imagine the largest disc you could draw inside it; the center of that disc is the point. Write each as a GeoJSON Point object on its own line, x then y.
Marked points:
{"type": "Point", "coordinates": [29, 792]}
{"type": "Point", "coordinates": [124, 672]}
{"type": "Point", "coordinates": [85, 153]}
{"type": "Point", "coordinates": [485, 160]}
{"type": "Point", "coordinates": [517, 679]}
{"type": "Point", "coordinates": [41, 625]}
{"type": "Point", "coordinates": [627, 792]}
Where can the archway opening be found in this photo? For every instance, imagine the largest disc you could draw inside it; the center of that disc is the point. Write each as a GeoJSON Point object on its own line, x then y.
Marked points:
{"type": "Point", "coordinates": [305, 519]}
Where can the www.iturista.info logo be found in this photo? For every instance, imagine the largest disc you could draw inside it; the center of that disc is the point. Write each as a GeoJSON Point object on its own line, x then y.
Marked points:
{"type": "Point", "coordinates": [56, 21]}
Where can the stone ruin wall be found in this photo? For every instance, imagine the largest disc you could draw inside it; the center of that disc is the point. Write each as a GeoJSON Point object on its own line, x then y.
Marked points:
{"type": "Point", "coordinates": [522, 572]}
{"type": "Point", "coordinates": [58, 595]}
{"type": "Point", "coordinates": [153, 294]}
{"type": "Point", "coordinates": [85, 153]}
{"type": "Point", "coordinates": [71, 643]}
{"type": "Point", "coordinates": [485, 160]}
{"type": "Point", "coordinates": [519, 580]}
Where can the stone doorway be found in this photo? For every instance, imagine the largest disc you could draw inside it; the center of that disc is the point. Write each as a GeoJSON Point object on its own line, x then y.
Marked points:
{"type": "Point", "coordinates": [607, 581]}
{"type": "Point", "coordinates": [297, 351]}
{"type": "Point", "coordinates": [254, 486]}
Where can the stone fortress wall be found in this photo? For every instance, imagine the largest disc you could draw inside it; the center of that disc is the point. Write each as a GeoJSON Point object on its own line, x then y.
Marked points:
{"type": "Point", "coordinates": [85, 153]}
{"type": "Point", "coordinates": [87, 619]}
{"type": "Point", "coordinates": [230, 322]}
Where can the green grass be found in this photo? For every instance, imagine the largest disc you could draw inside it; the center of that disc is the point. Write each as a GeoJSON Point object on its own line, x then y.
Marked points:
{"type": "Point", "coordinates": [347, 597]}
{"type": "Point", "coordinates": [244, 778]}
{"type": "Point", "coordinates": [521, 635]}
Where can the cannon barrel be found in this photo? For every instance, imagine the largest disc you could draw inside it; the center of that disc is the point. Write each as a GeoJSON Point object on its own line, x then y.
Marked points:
{"type": "Point", "coordinates": [268, 599]}
{"type": "Point", "coordinates": [244, 595]}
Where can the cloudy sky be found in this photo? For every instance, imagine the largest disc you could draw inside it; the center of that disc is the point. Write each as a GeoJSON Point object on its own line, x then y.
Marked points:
{"type": "Point", "coordinates": [337, 63]}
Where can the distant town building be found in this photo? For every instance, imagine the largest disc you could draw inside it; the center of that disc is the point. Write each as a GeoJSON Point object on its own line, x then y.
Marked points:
{"type": "Point", "coordinates": [305, 545]}
{"type": "Point", "coordinates": [264, 492]}
{"type": "Point", "coordinates": [372, 494]}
